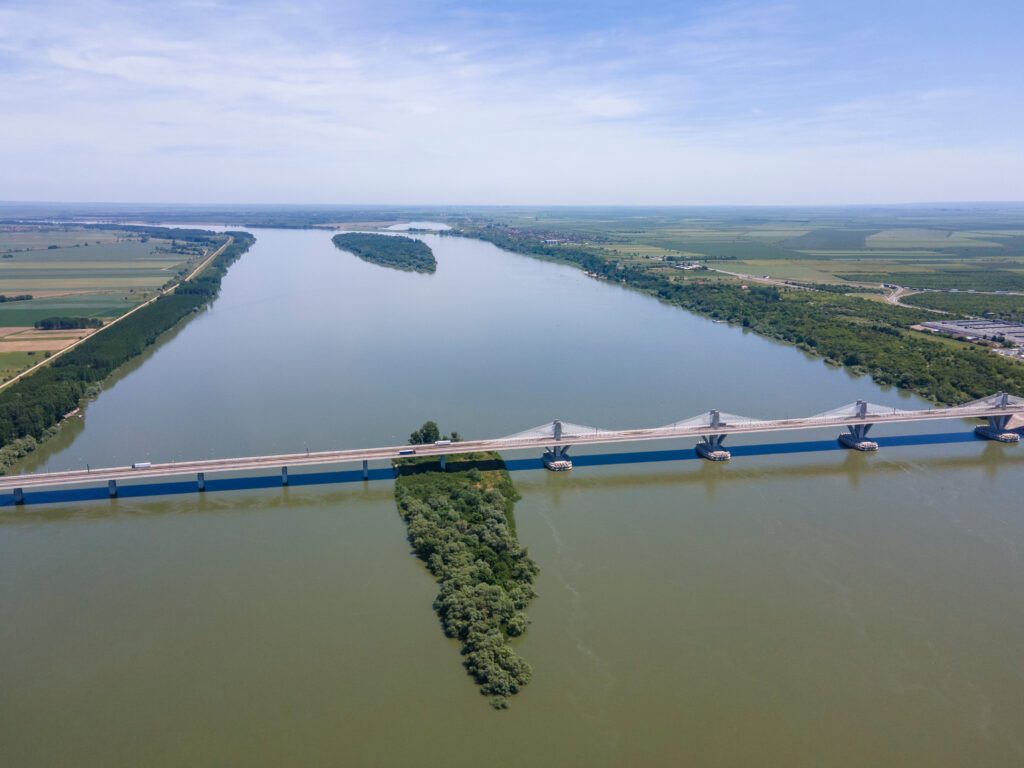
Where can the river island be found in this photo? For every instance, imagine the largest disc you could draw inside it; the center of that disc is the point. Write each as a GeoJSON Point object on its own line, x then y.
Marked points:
{"type": "Point", "coordinates": [392, 251]}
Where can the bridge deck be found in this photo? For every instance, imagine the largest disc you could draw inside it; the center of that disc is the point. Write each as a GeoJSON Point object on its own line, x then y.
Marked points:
{"type": "Point", "coordinates": [516, 443]}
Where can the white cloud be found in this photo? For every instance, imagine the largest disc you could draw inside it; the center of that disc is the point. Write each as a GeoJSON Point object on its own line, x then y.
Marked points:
{"type": "Point", "coordinates": [259, 102]}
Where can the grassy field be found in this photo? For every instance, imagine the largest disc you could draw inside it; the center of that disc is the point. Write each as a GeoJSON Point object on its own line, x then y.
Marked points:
{"type": "Point", "coordinates": [979, 247]}
{"type": "Point", "coordinates": [82, 271]}
{"type": "Point", "coordinates": [947, 279]}
{"type": "Point", "coordinates": [12, 363]}
{"type": "Point", "coordinates": [978, 304]}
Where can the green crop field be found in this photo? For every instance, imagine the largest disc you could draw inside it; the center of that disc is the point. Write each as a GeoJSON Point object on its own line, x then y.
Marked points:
{"type": "Point", "coordinates": [945, 248]}
{"type": "Point", "coordinates": [979, 304]}
{"type": "Point", "coordinates": [100, 305]}
{"type": "Point", "coordinates": [89, 271]}
{"type": "Point", "coordinates": [947, 279]}
{"type": "Point", "coordinates": [12, 363]}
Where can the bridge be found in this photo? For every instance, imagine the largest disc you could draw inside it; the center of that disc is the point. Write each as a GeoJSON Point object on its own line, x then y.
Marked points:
{"type": "Point", "coordinates": [556, 438]}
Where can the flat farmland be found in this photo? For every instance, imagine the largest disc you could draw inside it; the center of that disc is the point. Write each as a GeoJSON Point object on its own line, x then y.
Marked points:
{"type": "Point", "coordinates": [32, 340]}
{"type": "Point", "coordinates": [82, 272]}
{"type": "Point", "coordinates": [979, 249]}
{"type": "Point", "coordinates": [25, 277]}
{"type": "Point", "coordinates": [100, 305]}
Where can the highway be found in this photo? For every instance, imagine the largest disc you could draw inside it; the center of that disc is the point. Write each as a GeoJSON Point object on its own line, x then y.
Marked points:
{"type": "Point", "coordinates": [538, 439]}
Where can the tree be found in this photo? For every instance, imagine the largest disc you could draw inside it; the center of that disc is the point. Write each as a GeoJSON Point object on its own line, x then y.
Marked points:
{"type": "Point", "coordinates": [428, 433]}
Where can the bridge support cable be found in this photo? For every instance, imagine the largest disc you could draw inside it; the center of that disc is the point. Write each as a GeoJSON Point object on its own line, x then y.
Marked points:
{"type": "Point", "coordinates": [1000, 416]}
{"type": "Point", "coordinates": [556, 457]}
{"type": "Point", "coordinates": [710, 445]}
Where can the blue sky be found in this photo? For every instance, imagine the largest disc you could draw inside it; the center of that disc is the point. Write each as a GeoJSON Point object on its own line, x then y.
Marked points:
{"type": "Point", "coordinates": [512, 103]}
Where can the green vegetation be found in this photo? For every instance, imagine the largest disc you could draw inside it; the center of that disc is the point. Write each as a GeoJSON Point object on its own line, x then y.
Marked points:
{"type": "Point", "coordinates": [32, 407]}
{"type": "Point", "coordinates": [13, 363]}
{"type": "Point", "coordinates": [393, 251]}
{"type": "Point", "coordinates": [430, 433]}
{"type": "Point", "coordinates": [946, 279]}
{"type": "Point", "coordinates": [460, 524]}
{"type": "Point", "coordinates": [100, 305]}
{"type": "Point", "coordinates": [119, 263]}
{"type": "Point", "coordinates": [65, 323]}
{"type": "Point", "coordinates": [979, 304]}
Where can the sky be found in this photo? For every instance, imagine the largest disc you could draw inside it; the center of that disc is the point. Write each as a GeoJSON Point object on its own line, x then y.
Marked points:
{"type": "Point", "coordinates": [519, 103]}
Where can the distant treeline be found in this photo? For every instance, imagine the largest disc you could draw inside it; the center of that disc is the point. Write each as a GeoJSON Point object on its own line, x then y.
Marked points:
{"type": "Point", "coordinates": [392, 251]}
{"type": "Point", "coordinates": [164, 233]}
{"type": "Point", "coordinates": [461, 525]}
{"type": "Point", "coordinates": [31, 407]}
{"type": "Point", "coordinates": [63, 323]}
{"type": "Point", "coordinates": [867, 336]}
{"type": "Point", "coordinates": [19, 297]}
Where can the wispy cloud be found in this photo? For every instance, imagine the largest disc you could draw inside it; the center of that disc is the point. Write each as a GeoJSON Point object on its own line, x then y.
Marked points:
{"type": "Point", "coordinates": [565, 102]}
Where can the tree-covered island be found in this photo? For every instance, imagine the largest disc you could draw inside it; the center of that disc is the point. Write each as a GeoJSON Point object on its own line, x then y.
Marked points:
{"type": "Point", "coordinates": [461, 525]}
{"type": "Point", "coordinates": [392, 251]}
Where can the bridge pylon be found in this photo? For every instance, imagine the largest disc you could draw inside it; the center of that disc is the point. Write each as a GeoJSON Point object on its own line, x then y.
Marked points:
{"type": "Point", "coordinates": [710, 445]}
{"type": "Point", "coordinates": [997, 428]}
{"type": "Point", "coordinates": [857, 435]}
{"type": "Point", "coordinates": [556, 458]}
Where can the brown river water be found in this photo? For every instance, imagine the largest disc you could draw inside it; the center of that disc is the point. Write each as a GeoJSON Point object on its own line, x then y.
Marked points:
{"type": "Point", "coordinates": [820, 608]}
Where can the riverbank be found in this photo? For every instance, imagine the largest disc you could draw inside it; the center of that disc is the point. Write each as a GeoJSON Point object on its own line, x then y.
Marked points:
{"type": "Point", "coordinates": [32, 407]}
{"type": "Point", "coordinates": [864, 336]}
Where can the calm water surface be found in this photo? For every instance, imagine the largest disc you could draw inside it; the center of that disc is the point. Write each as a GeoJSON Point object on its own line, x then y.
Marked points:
{"type": "Point", "coordinates": [788, 610]}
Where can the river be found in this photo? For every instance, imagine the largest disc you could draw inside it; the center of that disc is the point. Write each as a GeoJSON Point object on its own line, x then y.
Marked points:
{"type": "Point", "coordinates": [806, 609]}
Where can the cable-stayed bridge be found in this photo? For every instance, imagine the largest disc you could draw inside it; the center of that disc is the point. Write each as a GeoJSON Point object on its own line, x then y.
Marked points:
{"type": "Point", "coordinates": [556, 437]}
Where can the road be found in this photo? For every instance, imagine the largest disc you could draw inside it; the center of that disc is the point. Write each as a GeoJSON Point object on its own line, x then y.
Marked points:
{"type": "Point", "coordinates": [900, 292]}
{"type": "Point", "coordinates": [115, 321]}
{"type": "Point", "coordinates": [1015, 407]}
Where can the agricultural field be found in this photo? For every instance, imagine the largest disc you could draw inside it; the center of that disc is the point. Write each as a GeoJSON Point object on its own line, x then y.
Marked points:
{"type": "Point", "coordinates": [86, 275]}
{"type": "Point", "coordinates": [13, 363]}
{"type": "Point", "coordinates": [1004, 307]}
{"type": "Point", "coordinates": [970, 248]}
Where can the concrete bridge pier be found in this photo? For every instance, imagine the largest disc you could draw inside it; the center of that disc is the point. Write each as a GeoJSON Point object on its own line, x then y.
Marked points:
{"type": "Point", "coordinates": [284, 475]}
{"type": "Point", "coordinates": [556, 458]}
{"type": "Point", "coordinates": [19, 496]}
{"type": "Point", "coordinates": [112, 488]}
{"type": "Point", "coordinates": [710, 446]}
{"type": "Point", "coordinates": [444, 462]}
{"type": "Point", "coordinates": [201, 481]}
{"type": "Point", "coordinates": [366, 470]}
{"type": "Point", "coordinates": [997, 430]}
{"type": "Point", "coordinates": [856, 437]}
